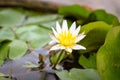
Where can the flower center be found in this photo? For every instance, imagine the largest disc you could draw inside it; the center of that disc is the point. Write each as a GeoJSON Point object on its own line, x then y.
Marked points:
{"type": "Point", "coordinates": [66, 39]}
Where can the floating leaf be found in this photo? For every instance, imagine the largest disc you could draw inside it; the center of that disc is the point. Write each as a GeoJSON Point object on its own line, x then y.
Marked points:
{"type": "Point", "coordinates": [102, 15]}
{"type": "Point", "coordinates": [95, 35]}
{"type": "Point", "coordinates": [6, 34]}
{"type": "Point", "coordinates": [42, 19]}
{"type": "Point", "coordinates": [3, 52]}
{"type": "Point", "coordinates": [17, 48]}
{"type": "Point", "coordinates": [75, 11]}
{"type": "Point", "coordinates": [108, 56]}
{"type": "Point", "coordinates": [47, 21]}
{"type": "Point", "coordinates": [35, 35]}
{"type": "Point", "coordinates": [51, 23]}
{"type": "Point", "coordinates": [78, 74]}
{"type": "Point", "coordinates": [89, 62]}
{"type": "Point", "coordinates": [10, 18]}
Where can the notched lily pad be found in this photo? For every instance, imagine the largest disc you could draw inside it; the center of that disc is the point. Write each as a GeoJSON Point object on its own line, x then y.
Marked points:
{"type": "Point", "coordinates": [37, 36]}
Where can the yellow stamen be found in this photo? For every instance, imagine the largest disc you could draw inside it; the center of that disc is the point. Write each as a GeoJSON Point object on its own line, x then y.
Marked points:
{"type": "Point", "coordinates": [66, 39]}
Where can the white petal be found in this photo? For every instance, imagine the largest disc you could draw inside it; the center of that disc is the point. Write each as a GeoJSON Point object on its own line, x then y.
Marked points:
{"type": "Point", "coordinates": [73, 27]}
{"type": "Point", "coordinates": [64, 26]}
{"type": "Point", "coordinates": [52, 42]}
{"type": "Point", "coordinates": [58, 28]}
{"type": "Point", "coordinates": [78, 47]}
{"type": "Point", "coordinates": [69, 50]}
{"type": "Point", "coordinates": [53, 38]}
{"type": "Point", "coordinates": [77, 31]}
{"type": "Point", "coordinates": [62, 47]}
{"type": "Point", "coordinates": [80, 37]}
{"type": "Point", "coordinates": [55, 47]}
{"type": "Point", "coordinates": [55, 33]}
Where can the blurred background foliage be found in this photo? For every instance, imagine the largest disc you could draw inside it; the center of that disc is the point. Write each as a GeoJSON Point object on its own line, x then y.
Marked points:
{"type": "Point", "coordinates": [23, 30]}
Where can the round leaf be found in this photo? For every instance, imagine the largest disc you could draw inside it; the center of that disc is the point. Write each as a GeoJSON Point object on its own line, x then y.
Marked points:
{"type": "Point", "coordinates": [78, 74]}
{"type": "Point", "coordinates": [95, 35]}
{"type": "Point", "coordinates": [6, 34]}
{"type": "Point", "coordinates": [10, 18]}
{"type": "Point", "coordinates": [35, 35]}
{"type": "Point", "coordinates": [108, 56]}
{"type": "Point", "coordinates": [17, 49]}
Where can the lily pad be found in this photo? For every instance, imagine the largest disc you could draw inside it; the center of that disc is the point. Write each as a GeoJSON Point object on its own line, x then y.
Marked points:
{"type": "Point", "coordinates": [75, 11]}
{"type": "Point", "coordinates": [3, 52]}
{"type": "Point", "coordinates": [36, 36]}
{"type": "Point", "coordinates": [89, 62]}
{"type": "Point", "coordinates": [108, 56]}
{"type": "Point", "coordinates": [10, 18]}
{"type": "Point", "coordinates": [38, 19]}
{"type": "Point", "coordinates": [17, 48]}
{"type": "Point", "coordinates": [78, 74]}
{"type": "Point", "coordinates": [6, 34]}
{"type": "Point", "coordinates": [95, 35]}
{"type": "Point", "coordinates": [102, 15]}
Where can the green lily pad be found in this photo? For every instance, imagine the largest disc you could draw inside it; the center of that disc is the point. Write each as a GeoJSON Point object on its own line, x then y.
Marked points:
{"type": "Point", "coordinates": [78, 74]}
{"type": "Point", "coordinates": [6, 34]}
{"type": "Point", "coordinates": [108, 56]}
{"type": "Point", "coordinates": [17, 48]}
{"type": "Point", "coordinates": [10, 18]}
{"type": "Point", "coordinates": [89, 62]}
{"type": "Point", "coordinates": [102, 15]}
{"type": "Point", "coordinates": [75, 11]}
{"type": "Point", "coordinates": [38, 19]}
{"type": "Point", "coordinates": [95, 35]}
{"type": "Point", "coordinates": [3, 52]}
{"type": "Point", "coordinates": [47, 21]}
{"type": "Point", "coordinates": [36, 36]}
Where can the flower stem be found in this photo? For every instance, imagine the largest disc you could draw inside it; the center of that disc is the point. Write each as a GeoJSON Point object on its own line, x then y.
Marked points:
{"type": "Point", "coordinates": [62, 53]}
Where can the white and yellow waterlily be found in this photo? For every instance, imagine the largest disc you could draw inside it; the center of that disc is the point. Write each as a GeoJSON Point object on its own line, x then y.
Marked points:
{"type": "Point", "coordinates": [65, 38]}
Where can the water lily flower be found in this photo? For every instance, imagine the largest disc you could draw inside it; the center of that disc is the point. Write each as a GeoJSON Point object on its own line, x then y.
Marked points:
{"type": "Point", "coordinates": [66, 39]}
